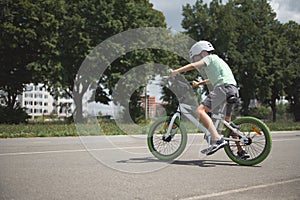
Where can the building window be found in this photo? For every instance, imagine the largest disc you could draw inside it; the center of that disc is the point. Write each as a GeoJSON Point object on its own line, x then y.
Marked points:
{"type": "Point", "coordinates": [37, 111]}
{"type": "Point", "coordinates": [38, 95]}
{"type": "Point", "coordinates": [28, 95]}
{"type": "Point", "coordinates": [29, 88]}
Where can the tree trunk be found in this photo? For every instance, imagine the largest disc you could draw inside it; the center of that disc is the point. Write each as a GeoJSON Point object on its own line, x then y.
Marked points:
{"type": "Point", "coordinates": [78, 93]}
{"type": "Point", "coordinates": [273, 107]}
{"type": "Point", "coordinates": [295, 105]}
{"type": "Point", "coordinates": [11, 99]}
{"type": "Point", "coordinates": [245, 107]}
{"type": "Point", "coordinates": [78, 115]}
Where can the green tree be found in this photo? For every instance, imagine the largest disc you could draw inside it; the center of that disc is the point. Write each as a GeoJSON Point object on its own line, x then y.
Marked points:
{"type": "Point", "coordinates": [291, 32]}
{"type": "Point", "coordinates": [276, 52]}
{"type": "Point", "coordinates": [86, 24]}
{"type": "Point", "coordinates": [29, 33]}
{"type": "Point", "coordinates": [253, 31]}
{"type": "Point", "coordinates": [129, 15]}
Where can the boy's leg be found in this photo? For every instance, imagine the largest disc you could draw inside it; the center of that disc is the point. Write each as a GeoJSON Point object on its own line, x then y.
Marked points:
{"type": "Point", "coordinates": [228, 119]}
{"type": "Point", "coordinates": [239, 147]}
{"type": "Point", "coordinates": [241, 152]}
{"type": "Point", "coordinates": [229, 109]}
{"type": "Point", "coordinates": [232, 90]}
{"type": "Point", "coordinates": [218, 141]}
{"type": "Point", "coordinates": [211, 102]}
{"type": "Point", "coordinates": [202, 111]}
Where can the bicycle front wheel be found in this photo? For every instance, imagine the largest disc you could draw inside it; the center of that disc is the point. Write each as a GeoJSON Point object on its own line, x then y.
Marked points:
{"type": "Point", "coordinates": [259, 141]}
{"type": "Point", "coordinates": [166, 148]}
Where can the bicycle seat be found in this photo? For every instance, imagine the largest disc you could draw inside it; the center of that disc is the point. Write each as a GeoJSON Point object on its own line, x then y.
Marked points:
{"type": "Point", "coordinates": [232, 99]}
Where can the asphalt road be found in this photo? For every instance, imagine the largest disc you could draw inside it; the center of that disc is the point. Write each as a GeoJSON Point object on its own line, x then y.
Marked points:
{"type": "Point", "coordinates": [120, 167]}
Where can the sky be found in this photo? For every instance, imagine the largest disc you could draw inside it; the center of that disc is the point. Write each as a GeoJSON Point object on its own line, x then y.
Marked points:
{"type": "Point", "coordinates": [172, 9]}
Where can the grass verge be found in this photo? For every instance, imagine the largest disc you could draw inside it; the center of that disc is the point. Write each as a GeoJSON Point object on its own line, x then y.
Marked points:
{"type": "Point", "coordinates": [107, 128]}
{"type": "Point", "coordinates": [283, 126]}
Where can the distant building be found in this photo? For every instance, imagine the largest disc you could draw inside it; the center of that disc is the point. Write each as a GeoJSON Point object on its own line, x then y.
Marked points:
{"type": "Point", "coordinates": [2, 102]}
{"type": "Point", "coordinates": [154, 109]}
{"type": "Point", "coordinates": [39, 102]}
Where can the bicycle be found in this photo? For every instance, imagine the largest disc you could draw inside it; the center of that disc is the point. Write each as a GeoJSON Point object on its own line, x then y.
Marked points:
{"type": "Point", "coordinates": [167, 137]}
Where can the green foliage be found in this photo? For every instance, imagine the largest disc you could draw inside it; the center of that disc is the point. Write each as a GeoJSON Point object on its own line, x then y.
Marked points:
{"type": "Point", "coordinates": [37, 130]}
{"type": "Point", "coordinates": [98, 21]}
{"type": "Point", "coordinates": [281, 109]}
{"type": "Point", "coordinates": [29, 36]}
{"type": "Point", "coordinates": [291, 31]}
{"type": "Point", "coordinates": [260, 112]}
{"type": "Point", "coordinates": [13, 116]}
{"type": "Point", "coordinates": [283, 125]}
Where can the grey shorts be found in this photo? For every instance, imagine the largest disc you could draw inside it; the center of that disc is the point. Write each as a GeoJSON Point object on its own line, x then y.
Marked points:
{"type": "Point", "coordinates": [218, 97]}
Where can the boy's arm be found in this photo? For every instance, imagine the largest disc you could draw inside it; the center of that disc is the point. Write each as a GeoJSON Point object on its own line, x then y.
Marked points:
{"type": "Point", "coordinates": [196, 84]}
{"type": "Point", "coordinates": [188, 67]}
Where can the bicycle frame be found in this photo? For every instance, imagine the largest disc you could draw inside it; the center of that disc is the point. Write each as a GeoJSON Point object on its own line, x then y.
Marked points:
{"type": "Point", "coordinates": [186, 109]}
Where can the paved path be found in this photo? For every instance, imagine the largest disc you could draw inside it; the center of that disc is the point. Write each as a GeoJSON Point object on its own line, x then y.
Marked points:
{"type": "Point", "coordinates": [120, 167]}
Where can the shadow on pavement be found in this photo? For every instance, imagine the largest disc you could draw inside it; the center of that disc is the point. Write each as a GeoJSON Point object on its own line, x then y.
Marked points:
{"type": "Point", "coordinates": [204, 163]}
{"type": "Point", "coordinates": [199, 163]}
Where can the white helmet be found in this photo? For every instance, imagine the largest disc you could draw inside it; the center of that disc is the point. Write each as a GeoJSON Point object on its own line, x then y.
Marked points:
{"type": "Point", "coordinates": [199, 47]}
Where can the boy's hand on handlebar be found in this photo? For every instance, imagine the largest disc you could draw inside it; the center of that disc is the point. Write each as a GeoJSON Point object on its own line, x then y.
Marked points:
{"type": "Point", "coordinates": [195, 84]}
{"type": "Point", "coordinates": [173, 73]}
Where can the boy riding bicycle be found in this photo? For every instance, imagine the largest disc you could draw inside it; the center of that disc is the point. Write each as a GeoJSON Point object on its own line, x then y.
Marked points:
{"type": "Point", "coordinates": [224, 84]}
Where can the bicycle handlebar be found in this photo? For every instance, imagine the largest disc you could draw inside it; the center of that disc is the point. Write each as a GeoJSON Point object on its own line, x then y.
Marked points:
{"type": "Point", "coordinates": [181, 83]}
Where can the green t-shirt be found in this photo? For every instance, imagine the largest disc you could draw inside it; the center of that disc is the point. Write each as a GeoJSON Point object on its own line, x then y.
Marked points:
{"type": "Point", "coordinates": [217, 71]}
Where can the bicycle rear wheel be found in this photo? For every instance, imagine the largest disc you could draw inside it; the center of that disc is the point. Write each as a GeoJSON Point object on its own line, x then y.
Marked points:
{"type": "Point", "coordinates": [166, 148]}
{"type": "Point", "coordinates": [259, 141]}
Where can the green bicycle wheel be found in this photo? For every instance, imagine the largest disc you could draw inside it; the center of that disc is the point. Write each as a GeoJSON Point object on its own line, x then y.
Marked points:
{"type": "Point", "coordinates": [166, 148]}
{"type": "Point", "coordinates": [259, 141]}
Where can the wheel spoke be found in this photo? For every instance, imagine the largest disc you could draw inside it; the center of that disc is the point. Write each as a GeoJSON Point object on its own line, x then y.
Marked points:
{"type": "Point", "coordinates": [166, 147]}
{"type": "Point", "coordinates": [257, 143]}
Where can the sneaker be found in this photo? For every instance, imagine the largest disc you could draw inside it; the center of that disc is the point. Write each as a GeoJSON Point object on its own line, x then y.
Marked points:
{"type": "Point", "coordinates": [243, 154]}
{"type": "Point", "coordinates": [219, 145]}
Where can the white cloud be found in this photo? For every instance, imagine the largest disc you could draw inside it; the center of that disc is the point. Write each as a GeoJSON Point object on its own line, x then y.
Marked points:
{"type": "Point", "coordinates": [172, 9]}
{"type": "Point", "coordinates": [286, 10]}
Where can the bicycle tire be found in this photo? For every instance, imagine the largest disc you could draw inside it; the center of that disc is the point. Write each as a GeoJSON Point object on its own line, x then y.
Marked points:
{"type": "Point", "coordinates": [155, 135]}
{"type": "Point", "coordinates": [260, 137]}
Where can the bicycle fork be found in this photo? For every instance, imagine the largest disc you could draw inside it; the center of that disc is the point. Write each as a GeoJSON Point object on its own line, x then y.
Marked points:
{"type": "Point", "coordinates": [171, 130]}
